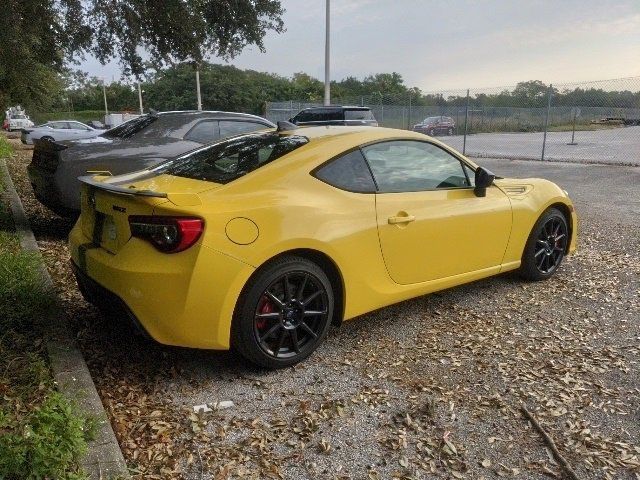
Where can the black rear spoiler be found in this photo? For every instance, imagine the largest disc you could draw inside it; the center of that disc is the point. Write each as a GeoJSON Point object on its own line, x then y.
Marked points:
{"type": "Point", "coordinates": [110, 187]}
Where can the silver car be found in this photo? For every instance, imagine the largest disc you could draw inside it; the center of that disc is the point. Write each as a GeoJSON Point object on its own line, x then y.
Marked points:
{"type": "Point", "coordinates": [137, 144]}
{"type": "Point", "coordinates": [58, 130]}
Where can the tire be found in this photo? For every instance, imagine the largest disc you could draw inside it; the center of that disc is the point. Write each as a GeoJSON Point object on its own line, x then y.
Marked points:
{"type": "Point", "coordinates": [432, 133]}
{"type": "Point", "coordinates": [47, 138]}
{"type": "Point", "coordinates": [450, 132]}
{"type": "Point", "coordinates": [545, 247]}
{"type": "Point", "coordinates": [273, 329]}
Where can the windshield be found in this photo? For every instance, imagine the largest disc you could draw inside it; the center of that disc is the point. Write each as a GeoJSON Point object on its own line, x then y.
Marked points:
{"type": "Point", "coordinates": [130, 127]}
{"type": "Point", "coordinates": [358, 115]}
{"type": "Point", "coordinates": [230, 159]}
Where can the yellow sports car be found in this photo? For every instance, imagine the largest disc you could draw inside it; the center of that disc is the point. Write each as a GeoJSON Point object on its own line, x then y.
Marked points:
{"type": "Point", "coordinates": [261, 241]}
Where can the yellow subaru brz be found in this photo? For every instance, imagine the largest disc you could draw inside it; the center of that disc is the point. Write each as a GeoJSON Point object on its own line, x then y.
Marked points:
{"type": "Point", "coordinates": [261, 241]}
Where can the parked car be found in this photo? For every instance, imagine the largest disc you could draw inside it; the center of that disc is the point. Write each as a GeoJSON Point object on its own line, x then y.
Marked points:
{"type": "Point", "coordinates": [19, 121]}
{"type": "Point", "coordinates": [140, 143]}
{"type": "Point", "coordinates": [433, 126]}
{"type": "Point", "coordinates": [335, 115]}
{"type": "Point", "coordinates": [262, 241]}
{"type": "Point", "coordinates": [57, 130]}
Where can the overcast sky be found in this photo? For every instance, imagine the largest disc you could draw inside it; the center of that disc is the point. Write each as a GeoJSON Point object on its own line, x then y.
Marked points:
{"type": "Point", "coordinates": [441, 45]}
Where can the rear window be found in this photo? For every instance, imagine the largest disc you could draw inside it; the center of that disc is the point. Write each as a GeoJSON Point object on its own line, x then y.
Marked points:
{"type": "Point", "coordinates": [358, 115]}
{"type": "Point", "coordinates": [131, 127]}
{"type": "Point", "coordinates": [230, 159]}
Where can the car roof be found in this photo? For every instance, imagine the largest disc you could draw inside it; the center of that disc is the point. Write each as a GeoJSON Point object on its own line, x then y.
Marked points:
{"type": "Point", "coordinates": [337, 107]}
{"type": "Point", "coordinates": [212, 113]}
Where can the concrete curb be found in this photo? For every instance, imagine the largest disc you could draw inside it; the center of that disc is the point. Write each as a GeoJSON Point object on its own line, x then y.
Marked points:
{"type": "Point", "coordinates": [104, 459]}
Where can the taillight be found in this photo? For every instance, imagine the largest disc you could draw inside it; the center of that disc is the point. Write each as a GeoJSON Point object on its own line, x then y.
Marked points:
{"type": "Point", "coordinates": [167, 234]}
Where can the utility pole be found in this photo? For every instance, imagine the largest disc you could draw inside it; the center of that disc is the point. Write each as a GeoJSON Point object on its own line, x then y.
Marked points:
{"type": "Point", "coordinates": [104, 94]}
{"type": "Point", "coordinates": [198, 87]}
{"type": "Point", "coordinates": [140, 98]}
{"type": "Point", "coordinates": [327, 77]}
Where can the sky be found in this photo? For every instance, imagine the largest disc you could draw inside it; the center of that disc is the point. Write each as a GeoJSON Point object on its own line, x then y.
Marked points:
{"type": "Point", "coordinates": [439, 45]}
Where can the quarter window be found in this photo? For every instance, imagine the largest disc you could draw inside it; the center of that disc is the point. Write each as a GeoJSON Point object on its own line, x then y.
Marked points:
{"type": "Point", "coordinates": [229, 128]}
{"type": "Point", "coordinates": [203, 132]}
{"type": "Point", "coordinates": [348, 172]}
{"type": "Point", "coordinates": [410, 166]}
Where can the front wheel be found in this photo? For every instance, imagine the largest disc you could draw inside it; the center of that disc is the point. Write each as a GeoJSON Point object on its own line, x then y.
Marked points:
{"type": "Point", "coordinates": [283, 314]}
{"type": "Point", "coordinates": [47, 138]}
{"type": "Point", "coordinates": [546, 246]}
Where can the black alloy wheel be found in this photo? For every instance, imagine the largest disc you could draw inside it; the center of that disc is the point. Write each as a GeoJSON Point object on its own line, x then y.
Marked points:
{"type": "Point", "coordinates": [546, 246]}
{"type": "Point", "coordinates": [284, 314]}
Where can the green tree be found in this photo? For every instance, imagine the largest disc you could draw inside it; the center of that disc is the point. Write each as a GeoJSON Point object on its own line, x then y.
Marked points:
{"type": "Point", "coordinates": [39, 36]}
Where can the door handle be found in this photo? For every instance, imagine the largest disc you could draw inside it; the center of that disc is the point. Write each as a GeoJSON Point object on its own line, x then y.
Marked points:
{"type": "Point", "coordinates": [401, 219]}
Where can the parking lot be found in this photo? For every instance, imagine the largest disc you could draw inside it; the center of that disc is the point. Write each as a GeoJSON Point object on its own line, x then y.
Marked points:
{"type": "Point", "coordinates": [431, 386]}
{"type": "Point", "coordinates": [610, 146]}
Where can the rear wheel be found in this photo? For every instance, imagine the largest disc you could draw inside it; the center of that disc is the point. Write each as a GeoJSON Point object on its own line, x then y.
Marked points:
{"type": "Point", "coordinates": [546, 246]}
{"type": "Point", "coordinates": [47, 138]}
{"type": "Point", "coordinates": [284, 313]}
{"type": "Point", "coordinates": [432, 133]}
{"type": "Point", "coordinates": [450, 132]}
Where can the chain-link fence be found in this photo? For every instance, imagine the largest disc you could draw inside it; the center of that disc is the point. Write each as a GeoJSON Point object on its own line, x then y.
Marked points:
{"type": "Point", "coordinates": [596, 122]}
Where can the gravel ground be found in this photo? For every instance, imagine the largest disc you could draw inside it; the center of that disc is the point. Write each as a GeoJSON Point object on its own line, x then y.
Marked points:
{"type": "Point", "coordinates": [429, 388]}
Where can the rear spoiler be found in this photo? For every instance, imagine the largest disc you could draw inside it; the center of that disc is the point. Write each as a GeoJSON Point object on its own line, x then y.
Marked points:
{"type": "Point", "coordinates": [110, 187]}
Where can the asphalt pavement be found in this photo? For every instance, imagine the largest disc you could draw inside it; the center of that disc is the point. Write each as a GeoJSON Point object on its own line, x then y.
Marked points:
{"type": "Point", "coordinates": [610, 146]}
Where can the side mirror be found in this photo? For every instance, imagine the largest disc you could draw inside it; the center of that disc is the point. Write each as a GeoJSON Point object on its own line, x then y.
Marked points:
{"type": "Point", "coordinates": [483, 179]}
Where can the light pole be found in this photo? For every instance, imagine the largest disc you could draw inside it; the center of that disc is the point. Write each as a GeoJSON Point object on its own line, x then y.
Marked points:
{"type": "Point", "coordinates": [104, 94]}
{"type": "Point", "coordinates": [140, 98]}
{"type": "Point", "coordinates": [327, 80]}
{"type": "Point", "coordinates": [198, 87]}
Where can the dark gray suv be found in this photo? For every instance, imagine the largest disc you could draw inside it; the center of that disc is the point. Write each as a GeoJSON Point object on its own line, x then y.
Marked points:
{"type": "Point", "coordinates": [135, 145]}
{"type": "Point", "coordinates": [335, 115]}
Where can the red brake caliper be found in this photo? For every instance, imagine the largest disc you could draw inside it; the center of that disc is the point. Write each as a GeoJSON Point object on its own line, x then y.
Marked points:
{"type": "Point", "coordinates": [266, 307]}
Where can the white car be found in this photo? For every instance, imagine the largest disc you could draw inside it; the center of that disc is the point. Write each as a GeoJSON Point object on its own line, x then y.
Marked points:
{"type": "Point", "coordinates": [19, 121]}
{"type": "Point", "coordinates": [57, 130]}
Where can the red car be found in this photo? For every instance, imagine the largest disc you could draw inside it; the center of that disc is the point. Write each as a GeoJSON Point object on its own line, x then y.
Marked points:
{"type": "Point", "coordinates": [433, 126]}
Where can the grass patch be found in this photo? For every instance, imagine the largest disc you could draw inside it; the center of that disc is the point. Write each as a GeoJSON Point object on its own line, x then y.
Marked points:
{"type": "Point", "coordinates": [41, 436]}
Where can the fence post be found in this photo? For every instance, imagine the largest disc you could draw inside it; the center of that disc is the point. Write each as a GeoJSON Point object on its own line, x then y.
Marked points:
{"type": "Point", "coordinates": [466, 119]}
{"type": "Point", "coordinates": [546, 121]}
{"type": "Point", "coordinates": [573, 131]}
{"type": "Point", "coordinates": [409, 117]}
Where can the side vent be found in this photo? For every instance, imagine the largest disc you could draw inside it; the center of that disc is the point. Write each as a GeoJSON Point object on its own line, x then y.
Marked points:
{"type": "Point", "coordinates": [517, 190]}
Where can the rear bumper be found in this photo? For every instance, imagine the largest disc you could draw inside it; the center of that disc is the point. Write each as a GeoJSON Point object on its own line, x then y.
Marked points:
{"type": "Point", "coordinates": [46, 191]}
{"type": "Point", "coordinates": [185, 299]}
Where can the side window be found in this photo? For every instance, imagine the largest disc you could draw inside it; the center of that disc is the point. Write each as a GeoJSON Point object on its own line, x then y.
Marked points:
{"type": "Point", "coordinates": [348, 172]}
{"type": "Point", "coordinates": [301, 117]}
{"type": "Point", "coordinates": [411, 166]}
{"type": "Point", "coordinates": [229, 128]}
{"type": "Point", "coordinates": [58, 125]}
{"type": "Point", "coordinates": [203, 132]}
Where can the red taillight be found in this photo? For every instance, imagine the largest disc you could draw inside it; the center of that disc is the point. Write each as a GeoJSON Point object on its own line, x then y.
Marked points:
{"type": "Point", "coordinates": [167, 234]}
